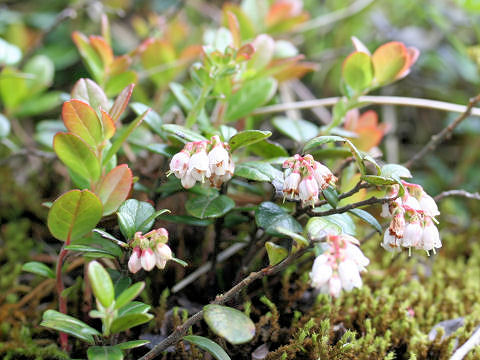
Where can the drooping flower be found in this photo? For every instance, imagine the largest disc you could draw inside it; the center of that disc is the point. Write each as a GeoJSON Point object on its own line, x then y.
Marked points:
{"type": "Point", "coordinates": [290, 187]}
{"type": "Point", "coordinates": [308, 190]}
{"type": "Point", "coordinates": [179, 163]}
{"type": "Point", "coordinates": [134, 264]}
{"type": "Point", "coordinates": [162, 255]}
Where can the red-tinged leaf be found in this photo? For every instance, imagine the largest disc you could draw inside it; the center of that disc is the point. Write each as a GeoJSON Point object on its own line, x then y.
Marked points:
{"type": "Point", "coordinates": [108, 127]}
{"type": "Point", "coordinates": [234, 29]}
{"type": "Point", "coordinates": [90, 57]}
{"type": "Point", "coordinates": [106, 30]}
{"type": "Point", "coordinates": [357, 71]}
{"type": "Point", "coordinates": [190, 53]}
{"type": "Point", "coordinates": [155, 55]}
{"type": "Point", "coordinates": [74, 214]}
{"type": "Point", "coordinates": [115, 188]}
{"type": "Point", "coordinates": [247, 30]}
{"type": "Point", "coordinates": [245, 52]}
{"type": "Point", "coordinates": [389, 61]}
{"type": "Point", "coordinates": [103, 49]}
{"type": "Point", "coordinates": [77, 155]}
{"type": "Point", "coordinates": [278, 12]}
{"type": "Point", "coordinates": [413, 54]}
{"type": "Point", "coordinates": [290, 68]}
{"type": "Point", "coordinates": [121, 102]}
{"type": "Point", "coordinates": [80, 119]}
{"type": "Point", "coordinates": [119, 65]}
{"type": "Point", "coordinates": [88, 91]}
{"type": "Point", "coordinates": [368, 137]}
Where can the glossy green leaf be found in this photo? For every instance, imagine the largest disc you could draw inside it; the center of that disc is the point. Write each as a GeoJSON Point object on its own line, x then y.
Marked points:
{"type": "Point", "coordinates": [38, 268]}
{"type": "Point", "coordinates": [185, 219]}
{"type": "Point", "coordinates": [129, 294]}
{"type": "Point", "coordinates": [117, 83]}
{"type": "Point", "coordinates": [115, 188]}
{"type": "Point", "coordinates": [330, 194]}
{"type": "Point", "coordinates": [357, 71]}
{"type": "Point", "coordinates": [12, 79]}
{"type": "Point", "coordinates": [132, 215]}
{"type": "Point", "coordinates": [90, 251]}
{"type": "Point", "coordinates": [319, 227]}
{"type": "Point", "coordinates": [298, 130]}
{"type": "Point", "coordinates": [77, 155]}
{"type": "Point", "coordinates": [74, 214]}
{"type": "Point", "coordinates": [101, 283]}
{"type": "Point", "coordinates": [321, 140]}
{"type": "Point", "coordinates": [103, 245]}
{"type": "Point", "coordinates": [135, 307]}
{"type": "Point", "coordinates": [42, 70]}
{"type": "Point", "coordinates": [368, 218]}
{"type": "Point", "coordinates": [82, 120]}
{"type": "Point", "coordinates": [40, 104]}
{"type": "Point", "coordinates": [55, 320]}
{"type": "Point", "coordinates": [268, 149]}
{"type": "Point", "coordinates": [128, 321]}
{"type": "Point", "coordinates": [299, 239]}
{"type": "Point", "coordinates": [228, 323]}
{"type": "Point", "coordinates": [88, 91]}
{"type": "Point", "coordinates": [46, 130]}
{"type": "Point", "coordinates": [379, 180]}
{"type": "Point", "coordinates": [153, 120]}
{"type": "Point", "coordinates": [209, 206]}
{"type": "Point", "coordinates": [252, 95]}
{"type": "Point", "coordinates": [395, 171]}
{"type": "Point", "coordinates": [183, 133]}
{"type": "Point", "coordinates": [131, 344]}
{"type": "Point", "coordinates": [258, 171]}
{"type": "Point", "coordinates": [276, 253]}
{"type": "Point", "coordinates": [208, 345]}
{"type": "Point", "coordinates": [270, 216]}
{"type": "Point", "coordinates": [247, 137]}
{"type": "Point", "coordinates": [104, 353]}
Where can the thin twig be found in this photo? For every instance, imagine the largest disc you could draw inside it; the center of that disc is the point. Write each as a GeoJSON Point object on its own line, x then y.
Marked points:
{"type": "Point", "coordinates": [469, 345]}
{"type": "Point", "coordinates": [382, 100]}
{"type": "Point", "coordinates": [177, 335]}
{"type": "Point", "coordinates": [341, 210]}
{"type": "Point", "coordinates": [445, 133]}
{"type": "Point", "coordinates": [463, 193]}
{"type": "Point", "coordinates": [334, 16]}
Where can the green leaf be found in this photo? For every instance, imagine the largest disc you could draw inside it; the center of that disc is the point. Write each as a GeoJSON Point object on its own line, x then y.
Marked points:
{"type": "Point", "coordinates": [90, 57]}
{"type": "Point", "coordinates": [74, 214]}
{"type": "Point", "coordinates": [379, 180]}
{"type": "Point", "coordinates": [357, 71]}
{"type": "Point", "coordinates": [129, 294]}
{"type": "Point", "coordinates": [135, 307]}
{"type": "Point", "coordinates": [247, 137]}
{"type": "Point", "coordinates": [101, 283]}
{"type": "Point", "coordinates": [209, 206]}
{"type": "Point", "coordinates": [276, 253]}
{"type": "Point", "coordinates": [90, 251]}
{"type": "Point", "coordinates": [162, 149]}
{"type": "Point", "coordinates": [331, 196]}
{"type": "Point", "coordinates": [395, 171]}
{"type": "Point", "coordinates": [82, 120]}
{"type": "Point", "coordinates": [125, 322]}
{"type": "Point", "coordinates": [12, 79]}
{"type": "Point", "coordinates": [227, 132]}
{"type": "Point", "coordinates": [55, 320]}
{"type": "Point", "coordinates": [88, 91]}
{"type": "Point", "coordinates": [208, 345]}
{"type": "Point", "coordinates": [298, 130]}
{"type": "Point", "coordinates": [102, 245]}
{"type": "Point", "coordinates": [116, 83]}
{"type": "Point", "coordinates": [299, 239]}
{"type": "Point", "coordinates": [258, 171]}
{"type": "Point", "coordinates": [183, 95]}
{"type": "Point", "coordinates": [231, 324]}
{"type": "Point", "coordinates": [4, 127]}
{"type": "Point", "coordinates": [252, 95]}
{"type": "Point", "coordinates": [318, 227]}
{"type": "Point", "coordinates": [185, 219]}
{"type": "Point", "coordinates": [77, 155]}
{"type": "Point", "coordinates": [42, 70]}
{"type": "Point", "coordinates": [38, 268]}
{"type": "Point", "coordinates": [270, 216]}
{"type": "Point", "coordinates": [46, 130]}
{"type": "Point", "coordinates": [40, 104]}
{"type": "Point", "coordinates": [131, 344]}
{"type": "Point", "coordinates": [123, 135]}
{"type": "Point", "coordinates": [268, 149]}
{"type": "Point", "coordinates": [104, 353]}
{"type": "Point", "coordinates": [186, 135]}
{"type": "Point", "coordinates": [388, 61]}
{"type": "Point", "coordinates": [153, 120]}
{"type": "Point", "coordinates": [132, 215]}
{"type": "Point", "coordinates": [115, 188]}
{"type": "Point", "coordinates": [121, 102]}
{"type": "Point", "coordinates": [368, 218]}
{"type": "Point", "coordinates": [321, 140]}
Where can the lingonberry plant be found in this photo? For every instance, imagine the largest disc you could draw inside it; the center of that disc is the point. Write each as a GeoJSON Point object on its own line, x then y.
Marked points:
{"type": "Point", "coordinates": [295, 196]}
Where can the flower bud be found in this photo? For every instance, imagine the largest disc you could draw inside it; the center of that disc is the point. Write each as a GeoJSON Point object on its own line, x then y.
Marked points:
{"type": "Point", "coordinates": [308, 190]}
{"type": "Point", "coordinates": [428, 205]}
{"type": "Point", "coordinates": [134, 263]}
{"type": "Point", "coordinates": [148, 259]}
{"type": "Point", "coordinates": [198, 166]}
{"type": "Point", "coordinates": [179, 164]}
{"type": "Point", "coordinates": [321, 271]}
{"type": "Point", "coordinates": [162, 255]}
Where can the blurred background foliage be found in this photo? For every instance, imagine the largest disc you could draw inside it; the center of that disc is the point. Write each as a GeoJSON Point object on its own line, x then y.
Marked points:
{"type": "Point", "coordinates": [447, 33]}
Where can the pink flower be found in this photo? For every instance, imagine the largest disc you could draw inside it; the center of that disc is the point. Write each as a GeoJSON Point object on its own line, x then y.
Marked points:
{"type": "Point", "coordinates": [199, 166]}
{"type": "Point", "coordinates": [412, 234]}
{"type": "Point", "coordinates": [162, 255]}
{"type": "Point", "coordinates": [349, 275]}
{"type": "Point", "coordinates": [148, 259]}
{"type": "Point", "coordinates": [321, 271]}
{"type": "Point", "coordinates": [290, 186]}
{"type": "Point", "coordinates": [134, 263]}
{"type": "Point", "coordinates": [430, 237]}
{"type": "Point", "coordinates": [179, 163]}
{"type": "Point", "coordinates": [428, 205]}
{"type": "Point", "coordinates": [308, 190]}
{"type": "Point", "coordinates": [390, 242]}
{"type": "Point", "coordinates": [218, 157]}
{"type": "Point", "coordinates": [323, 175]}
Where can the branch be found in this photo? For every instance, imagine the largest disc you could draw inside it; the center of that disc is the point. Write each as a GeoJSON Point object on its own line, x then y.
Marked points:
{"type": "Point", "coordinates": [382, 100]}
{"type": "Point", "coordinates": [445, 133]}
{"type": "Point", "coordinates": [463, 193]}
{"type": "Point", "coordinates": [341, 210]}
{"type": "Point", "coordinates": [177, 335]}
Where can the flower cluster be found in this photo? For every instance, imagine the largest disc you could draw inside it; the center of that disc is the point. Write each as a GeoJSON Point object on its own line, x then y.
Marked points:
{"type": "Point", "coordinates": [413, 220]}
{"type": "Point", "coordinates": [149, 250]}
{"type": "Point", "coordinates": [202, 160]}
{"type": "Point", "coordinates": [339, 266]}
{"type": "Point", "coordinates": [305, 178]}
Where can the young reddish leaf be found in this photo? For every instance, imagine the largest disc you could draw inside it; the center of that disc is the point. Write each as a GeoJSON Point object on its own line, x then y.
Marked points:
{"type": "Point", "coordinates": [103, 49]}
{"type": "Point", "coordinates": [77, 155]}
{"type": "Point", "coordinates": [357, 71]}
{"type": "Point", "coordinates": [115, 188]}
{"type": "Point", "coordinates": [90, 57]}
{"type": "Point", "coordinates": [106, 30]}
{"type": "Point", "coordinates": [234, 28]}
{"type": "Point", "coordinates": [247, 30]}
{"type": "Point", "coordinates": [108, 127]}
{"type": "Point", "coordinates": [74, 214]}
{"type": "Point", "coordinates": [413, 54]}
{"type": "Point", "coordinates": [80, 119]}
{"type": "Point", "coordinates": [119, 65]}
{"type": "Point", "coordinates": [155, 54]}
{"type": "Point", "coordinates": [121, 102]}
{"type": "Point", "coordinates": [389, 61]}
{"type": "Point", "coordinates": [88, 91]}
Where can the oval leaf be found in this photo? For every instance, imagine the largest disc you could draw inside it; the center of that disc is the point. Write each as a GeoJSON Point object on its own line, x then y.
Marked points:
{"type": "Point", "coordinates": [231, 324]}
{"type": "Point", "coordinates": [210, 206]}
{"type": "Point", "coordinates": [388, 61]}
{"type": "Point", "coordinates": [134, 216]}
{"type": "Point", "coordinates": [129, 294]}
{"type": "Point", "coordinates": [124, 322]}
{"type": "Point", "coordinates": [77, 155]}
{"type": "Point", "coordinates": [115, 188]}
{"type": "Point", "coordinates": [82, 120]}
{"type": "Point", "coordinates": [298, 130]}
{"type": "Point", "coordinates": [276, 253]}
{"type": "Point", "coordinates": [270, 216]}
{"type": "Point", "coordinates": [55, 320]}
{"type": "Point", "coordinates": [357, 71]}
{"type": "Point", "coordinates": [101, 282]}
{"type": "Point", "coordinates": [258, 171]}
{"type": "Point", "coordinates": [206, 344]}
{"type": "Point", "coordinates": [38, 268]}
{"type": "Point", "coordinates": [247, 137]}
{"type": "Point", "coordinates": [74, 214]}
{"type": "Point", "coordinates": [131, 344]}
{"type": "Point", "coordinates": [104, 353]}
{"type": "Point", "coordinates": [88, 90]}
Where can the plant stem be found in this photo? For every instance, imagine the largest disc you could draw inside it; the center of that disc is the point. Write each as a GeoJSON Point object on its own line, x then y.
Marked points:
{"type": "Point", "coordinates": [463, 193]}
{"type": "Point", "coordinates": [62, 301]}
